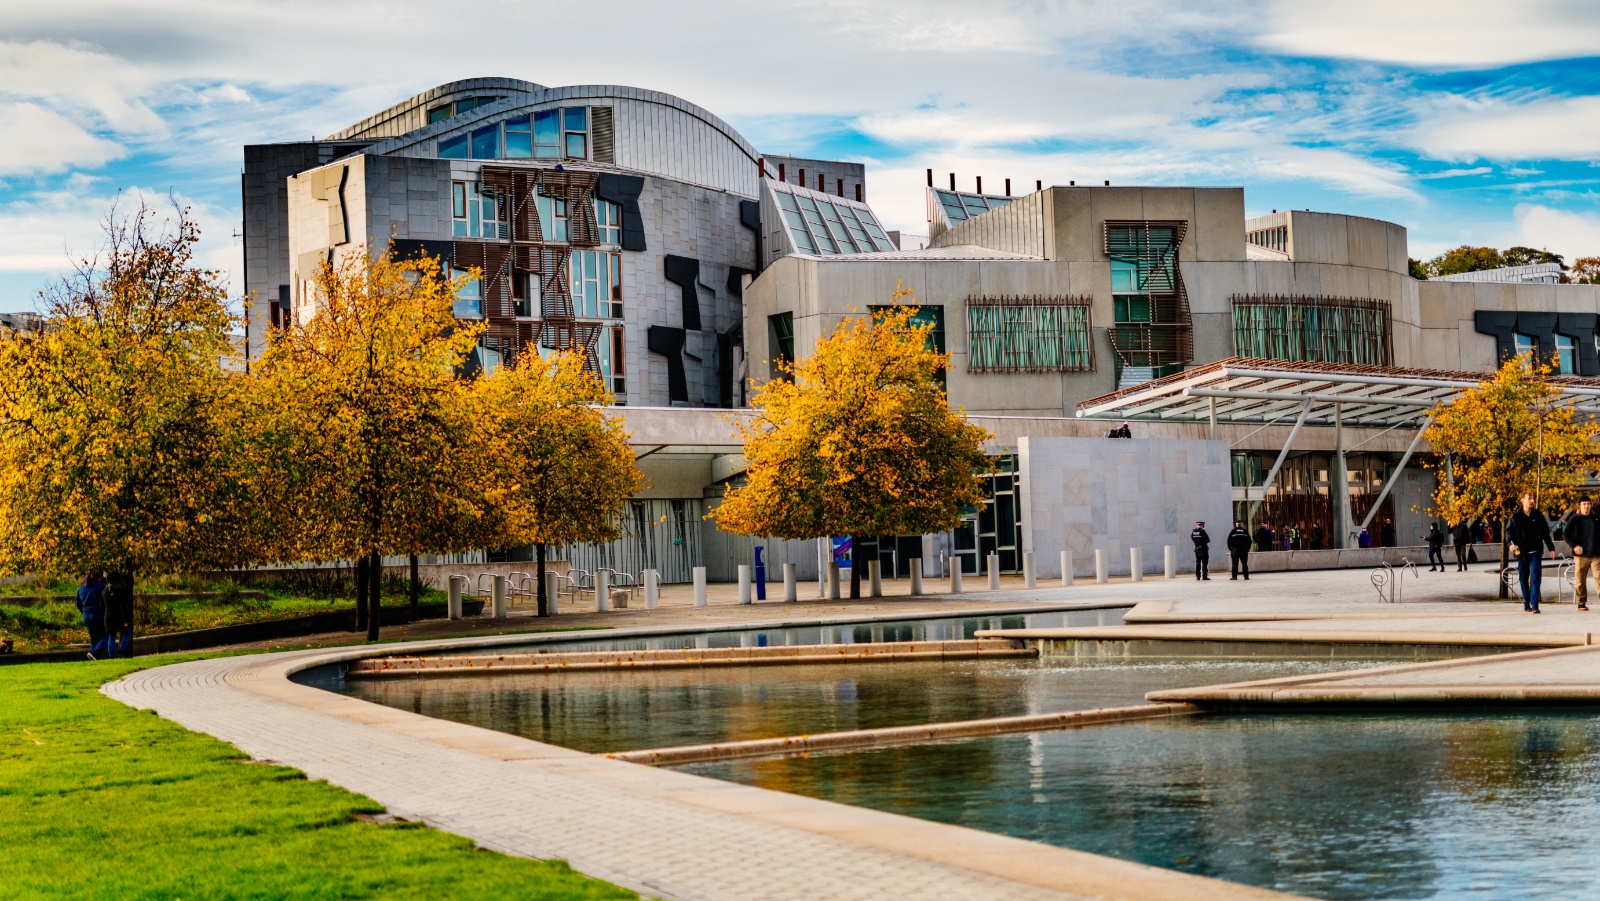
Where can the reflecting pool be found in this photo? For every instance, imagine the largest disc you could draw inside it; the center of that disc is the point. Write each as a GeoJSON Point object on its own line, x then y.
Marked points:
{"type": "Point", "coordinates": [1488, 805]}
{"type": "Point", "coordinates": [624, 710]}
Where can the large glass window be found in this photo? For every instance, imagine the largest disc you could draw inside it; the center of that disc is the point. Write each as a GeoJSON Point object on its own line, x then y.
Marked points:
{"type": "Point", "coordinates": [1312, 329]}
{"type": "Point", "coordinates": [818, 224]}
{"type": "Point", "coordinates": [596, 284]}
{"type": "Point", "coordinates": [780, 344]}
{"type": "Point", "coordinates": [552, 217]}
{"type": "Point", "coordinates": [1525, 344]}
{"type": "Point", "coordinates": [575, 123]}
{"type": "Point", "coordinates": [960, 207]}
{"type": "Point", "coordinates": [611, 353]}
{"type": "Point", "coordinates": [547, 134]}
{"type": "Point", "coordinates": [1566, 355]}
{"type": "Point", "coordinates": [519, 138]}
{"type": "Point", "coordinates": [476, 215]}
{"type": "Point", "coordinates": [1043, 334]}
{"type": "Point", "coordinates": [486, 143]}
{"type": "Point", "coordinates": [609, 217]}
{"type": "Point", "coordinates": [438, 114]}
{"type": "Point", "coordinates": [453, 148]}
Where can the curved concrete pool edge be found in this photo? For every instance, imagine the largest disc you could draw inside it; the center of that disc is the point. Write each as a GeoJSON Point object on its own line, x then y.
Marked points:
{"type": "Point", "coordinates": [660, 832]}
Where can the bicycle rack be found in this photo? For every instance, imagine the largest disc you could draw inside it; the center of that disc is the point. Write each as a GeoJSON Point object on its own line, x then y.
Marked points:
{"type": "Point", "coordinates": [1385, 576]}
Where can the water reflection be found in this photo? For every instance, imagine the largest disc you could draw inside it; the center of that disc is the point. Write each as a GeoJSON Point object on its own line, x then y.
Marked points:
{"type": "Point", "coordinates": [1348, 806]}
{"type": "Point", "coordinates": [616, 710]}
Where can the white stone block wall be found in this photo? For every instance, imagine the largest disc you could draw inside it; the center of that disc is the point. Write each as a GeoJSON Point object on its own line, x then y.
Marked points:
{"type": "Point", "coordinates": [1088, 494]}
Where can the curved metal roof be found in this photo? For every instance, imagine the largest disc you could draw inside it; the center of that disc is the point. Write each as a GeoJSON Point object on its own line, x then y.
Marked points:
{"type": "Point", "coordinates": [430, 98]}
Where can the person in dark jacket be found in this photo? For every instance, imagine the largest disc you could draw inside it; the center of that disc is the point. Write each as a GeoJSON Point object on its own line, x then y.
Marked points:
{"type": "Point", "coordinates": [119, 614]}
{"type": "Point", "coordinates": [1583, 534]}
{"type": "Point", "coordinates": [1317, 537]}
{"type": "Point", "coordinates": [1386, 534]}
{"type": "Point", "coordinates": [1529, 534]}
{"type": "Point", "coordinates": [1239, 547]}
{"type": "Point", "coordinates": [92, 604]}
{"type": "Point", "coordinates": [1461, 536]}
{"type": "Point", "coordinates": [1435, 542]}
{"type": "Point", "coordinates": [1202, 551]}
{"type": "Point", "coordinates": [1263, 538]}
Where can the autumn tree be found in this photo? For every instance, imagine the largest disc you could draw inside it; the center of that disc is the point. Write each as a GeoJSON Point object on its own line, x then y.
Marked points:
{"type": "Point", "coordinates": [1507, 436]}
{"type": "Point", "coordinates": [118, 418]}
{"type": "Point", "coordinates": [1585, 271]}
{"type": "Point", "coordinates": [365, 411]}
{"type": "Point", "coordinates": [552, 467]}
{"type": "Point", "coordinates": [860, 441]}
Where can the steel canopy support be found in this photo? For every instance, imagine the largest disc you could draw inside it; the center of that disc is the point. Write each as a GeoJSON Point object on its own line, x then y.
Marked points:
{"type": "Point", "coordinates": [1394, 476]}
{"type": "Point", "coordinates": [1283, 455]}
{"type": "Point", "coordinates": [1339, 483]}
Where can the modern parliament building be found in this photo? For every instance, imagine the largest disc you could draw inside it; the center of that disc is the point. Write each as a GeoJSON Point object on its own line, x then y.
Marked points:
{"type": "Point", "coordinates": [1250, 355]}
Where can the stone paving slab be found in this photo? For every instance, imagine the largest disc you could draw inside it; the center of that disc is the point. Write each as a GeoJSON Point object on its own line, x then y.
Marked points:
{"type": "Point", "coordinates": [663, 833]}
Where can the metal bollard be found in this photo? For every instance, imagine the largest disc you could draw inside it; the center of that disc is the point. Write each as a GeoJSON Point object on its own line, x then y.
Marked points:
{"type": "Point", "coordinates": [833, 581]}
{"type": "Point", "coordinates": [552, 585]}
{"type": "Point", "coordinates": [699, 586]}
{"type": "Point", "coordinates": [1100, 566]}
{"type": "Point", "coordinates": [791, 585]}
{"type": "Point", "coordinates": [875, 578]}
{"type": "Point", "coordinates": [1136, 563]}
{"type": "Point", "coordinates": [454, 587]}
{"type": "Point", "coordinates": [994, 572]}
{"type": "Point", "coordinates": [744, 583]}
{"type": "Point", "coordinates": [1066, 569]}
{"type": "Point", "coordinates": [497, 594]}
{"type": "Point", "coordinates": [1172, 561]}
{"type": "Point", "coordinates": [652, 589]}
{"type": "Point", "coordinates": [955, 576]}
{"type": "Point", "coordinates": [916, 577]}
{"type": "Point", "coordinates": [1028, 576]}
{"type": "Point", "coordinates": [602, 590]}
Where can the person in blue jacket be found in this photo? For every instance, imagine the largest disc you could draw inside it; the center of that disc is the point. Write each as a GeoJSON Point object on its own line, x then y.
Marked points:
{"type": "Point", "coordinates": [92, 604]}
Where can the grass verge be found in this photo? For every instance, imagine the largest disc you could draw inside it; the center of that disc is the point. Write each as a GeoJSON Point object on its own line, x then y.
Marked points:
{"type": "Point", "coordinates": [100, 800]}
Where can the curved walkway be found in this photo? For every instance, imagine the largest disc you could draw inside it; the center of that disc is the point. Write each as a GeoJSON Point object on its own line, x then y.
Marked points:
{"type": "Point", "coordinates": [663, 833]}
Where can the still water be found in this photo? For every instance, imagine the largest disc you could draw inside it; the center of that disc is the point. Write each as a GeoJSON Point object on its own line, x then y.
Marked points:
{"type": "Point", "coordinates": [1483, 806]}
{"type": "Point", "coordinates": [628, 710]}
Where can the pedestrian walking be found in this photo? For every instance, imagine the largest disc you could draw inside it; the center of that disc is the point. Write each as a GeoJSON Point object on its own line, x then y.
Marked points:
{"type": "Point", "coordinates": [119, 614]}
{"type": "Point", "coordinates": [1202, 552]}
{"type": "Point", "coordinates": [1461, 537]}
{"type": "Point", "coordinates": [1583, 534]}
{"type": "Point", "coordinates": [1529, 534]}
{"type": "Point", "coordinates": [1264, 537]}
{"type": "Point", "coordinates": [1435, 542]}
{"type": "Point", "coordinates": [1239, 547]}
{"type": "Point", "coordinates": [1364, 539]}
{"type": "Point", "coordinates": [92, 604]}
{"type": "Point", "coordinates": [1386, 534]}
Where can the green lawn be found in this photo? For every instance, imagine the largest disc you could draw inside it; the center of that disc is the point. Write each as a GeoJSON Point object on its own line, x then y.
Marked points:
{"type": "Point", "coordinates": [98, 800]}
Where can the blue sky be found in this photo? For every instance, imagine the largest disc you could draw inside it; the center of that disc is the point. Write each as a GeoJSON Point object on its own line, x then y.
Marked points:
{"type": "Point", "coordinates": [1466, 121]}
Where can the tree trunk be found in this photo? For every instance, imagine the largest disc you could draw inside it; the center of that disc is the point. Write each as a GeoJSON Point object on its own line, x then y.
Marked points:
{"type": "Point", "coordinates": [538, 573]}
{"type": "Point", "coordinates": [855, 568]}
{"type": "Point", "coordinates": [416, 588]}
{"type": "Point", "coordinates": [375, 586]}
{"type": "Point", "coordinates": [361, 594]}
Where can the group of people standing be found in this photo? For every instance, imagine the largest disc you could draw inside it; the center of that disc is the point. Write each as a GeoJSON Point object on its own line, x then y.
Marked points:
{"type": "Point", "coordinates": [106, 603]}
{"type": "Point", "coordinates": [1286, 537]}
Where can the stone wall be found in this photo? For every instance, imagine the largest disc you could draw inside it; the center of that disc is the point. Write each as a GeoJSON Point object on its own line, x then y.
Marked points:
{"type": "Point", "coordinates": [1088, 494]}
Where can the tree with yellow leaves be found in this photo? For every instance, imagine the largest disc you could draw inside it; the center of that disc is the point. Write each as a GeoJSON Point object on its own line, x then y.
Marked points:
{"type": "Point", "coordinates": [118, 433]}
{"type": "Point", "coordinates": [861, 441]}
{"type": "Point", "coordinates": [366, 418]}
{"type": "Point", "coordinates": [1506, 436]}
{"type": "Point", "coordinates": [554, 469]}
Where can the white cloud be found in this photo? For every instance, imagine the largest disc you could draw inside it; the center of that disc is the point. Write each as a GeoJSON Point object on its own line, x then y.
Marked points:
{"type": "Point", "coordinates": [1457, 173]}
{"type": "Point", "coordinates": [37, 140]}
{"type": "Point", "coordinates": [1434, 33]}
{"type": "Point", "coordinates": [1499, 128]}
{"type": "Point", "coordinates": [1565, 232]}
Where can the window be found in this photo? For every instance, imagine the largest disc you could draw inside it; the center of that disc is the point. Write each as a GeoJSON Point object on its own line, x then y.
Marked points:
{"type": "Point", "coordinates": [575, 122]}
{"type": "Point", "coordinates": [818, 224]}
{"type": "Point", "coordinates": [552, 217]}
{"type": "Point", "coordinates": [1312, 329]}
{"type": "Point", "coordinates": [1566, 355]}
{"type": "Point", "coordinates": [524, 291]}
{"type": "Point", "coordinates": [596, 284]}
{"type": "Point", "coordinates": [610, 351]}
{"type": "Point", "coordinates": [780, 345]}
{"type": "Point", "coordinates": [958, 207]}
{"type": "Point", "coordinates": [609, 217]}
{"type": "Point", "coordinates": [453, 148]}
{"type": "Point", "coordinates": [469, 300]}
{"type": "Point", "coordinates": [929, 315]}
{"type": "Point", "coordinates": [547, 135]}
{"type": "Point", "coordinates": [1525, 344]}
{"type": "Point", "coordinates": [486, 143]}
{"type": "Point", "coordinates": [519, 138]}
{"type": "Point", "coordinates": [477, 215]}
{"type": "Point", "coordinates": [438, 114]}
{"type": "Point", "coordinates": [1029, 334]}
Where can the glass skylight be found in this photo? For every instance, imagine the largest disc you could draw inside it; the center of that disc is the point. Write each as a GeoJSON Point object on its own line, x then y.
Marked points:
{"type": "Point", "coordinates": [821, 224]}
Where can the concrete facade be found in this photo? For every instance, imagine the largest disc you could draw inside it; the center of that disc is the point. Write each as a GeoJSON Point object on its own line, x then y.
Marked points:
{"type": "Point", "coordinates": [1087, 494]}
